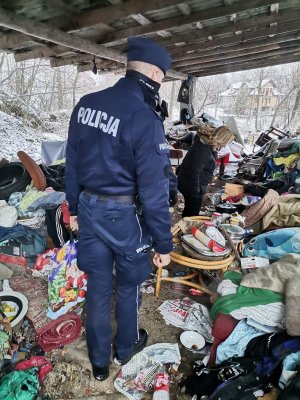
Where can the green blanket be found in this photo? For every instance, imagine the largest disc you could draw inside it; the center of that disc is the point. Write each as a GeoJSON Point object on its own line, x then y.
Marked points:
{"type": "Point", "coordinates": [244, 297]}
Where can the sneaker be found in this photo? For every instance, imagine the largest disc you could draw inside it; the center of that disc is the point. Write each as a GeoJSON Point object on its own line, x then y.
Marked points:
{"type": "Point", "coordinates": [100, 373]}
{"type": "Point", "coordinates": [138, 346]}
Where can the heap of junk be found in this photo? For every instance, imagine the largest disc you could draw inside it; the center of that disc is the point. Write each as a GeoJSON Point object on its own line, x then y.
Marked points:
{"type": "Point", "coordinates": [231, 293]}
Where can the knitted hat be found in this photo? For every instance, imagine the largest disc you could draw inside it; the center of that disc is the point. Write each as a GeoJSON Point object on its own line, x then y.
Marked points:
{"type": "Point", "coordinates": [146, 50]}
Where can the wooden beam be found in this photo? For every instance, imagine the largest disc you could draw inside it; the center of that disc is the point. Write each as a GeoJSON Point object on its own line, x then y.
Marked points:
{"type": "Point", "coordinates": [184, 8]}
{"type": "Point", "coordinates": [109, 14]}
{"type": "Point", "coordinates": [241, 29]}
{"type": "Point", "coordinates": [43, 31]}
{"type": "Point", "coordinates": [140, 19]}
{"type": "Point", "coordinates": [247, 66]}
{"type": "Point", "coordinates": [82, 58]}
{"type": "Point", "coordinates": [43, 52]}
{"type": "Point", "coordinates": [235, 54]}
{"type": "Point", "coordinates": [234, 46]}
{"type": "Point", "coordinates": [101, 70]}
{"type": "Point", "coordinates": [77, 59]}
{"type": "Point", "coordinates": [13, 41]}
{"type": "Point", "coordinates": [169, 23]}
{"type": "Point", "coordinates": [201, 66]}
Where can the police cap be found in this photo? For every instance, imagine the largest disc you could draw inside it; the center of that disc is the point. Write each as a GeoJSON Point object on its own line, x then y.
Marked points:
{"type": "Point", "coordinates": [146, 50]}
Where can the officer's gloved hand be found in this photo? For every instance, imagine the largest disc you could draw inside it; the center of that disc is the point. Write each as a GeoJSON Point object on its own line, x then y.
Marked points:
{"type": "Point", "coordinates": [173, 198]}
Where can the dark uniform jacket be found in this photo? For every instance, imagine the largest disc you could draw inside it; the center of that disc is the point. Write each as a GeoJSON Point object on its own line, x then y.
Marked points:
{"type": "Point", "coordinates": [117, 146]}
{"type": "Point", "coordinates": [196, 169]}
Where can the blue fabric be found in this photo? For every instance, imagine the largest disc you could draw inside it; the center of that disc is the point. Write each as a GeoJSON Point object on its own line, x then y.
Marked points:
{"type": "Point", "coordinates": [235, 345]}
{"type": "Point", "coordinates": [290, 366]}
{"type": "Point", "coordinates": [275, 244]}
{"type": "Point", "coordinates": [32, 242]}
{"type": "Point", "coordinates": [15, 232]}
{"type": "Point", "coordinates": [146, 50]}
{"type": "Point", "coordinates": [279, 353]}
{"type": "Point", "coordinates": [51, 200]}
{"type": "Point", "coordinates": [112, 235]}
{"type": "Point", "coordinates": [116, 146]}
{"type": "Point", "coordinates": [271, 167]}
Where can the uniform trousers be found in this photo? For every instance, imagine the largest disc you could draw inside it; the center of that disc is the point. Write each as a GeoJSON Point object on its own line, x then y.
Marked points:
{"type": "Point", "coordinates": [112, 236]}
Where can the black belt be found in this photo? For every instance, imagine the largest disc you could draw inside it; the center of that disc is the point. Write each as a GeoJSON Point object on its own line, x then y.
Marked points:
{"type": "Point", "coordinates": [104, 197]}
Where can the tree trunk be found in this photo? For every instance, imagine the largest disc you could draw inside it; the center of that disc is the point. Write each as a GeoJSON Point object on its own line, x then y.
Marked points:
{"type": "Point", "coordinates": [296, 106]}
{"type": "Point", "coordinates": [74, 88]}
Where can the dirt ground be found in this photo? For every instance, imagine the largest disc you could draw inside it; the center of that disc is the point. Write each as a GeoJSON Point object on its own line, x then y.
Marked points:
{"type": "Point", "coordinates": [71, 384]}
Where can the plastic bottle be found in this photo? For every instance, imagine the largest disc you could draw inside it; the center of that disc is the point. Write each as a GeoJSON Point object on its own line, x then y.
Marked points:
{"type": "Point", "coordinates": [161, 388]}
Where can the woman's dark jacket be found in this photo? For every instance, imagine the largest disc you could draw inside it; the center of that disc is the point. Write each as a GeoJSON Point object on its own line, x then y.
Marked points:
{"type": "Point", "coordinates": [197, 169]}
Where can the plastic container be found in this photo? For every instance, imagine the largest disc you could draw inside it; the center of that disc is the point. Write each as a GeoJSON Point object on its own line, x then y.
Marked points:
{"type": "Point", "coordinates": [161, 387]}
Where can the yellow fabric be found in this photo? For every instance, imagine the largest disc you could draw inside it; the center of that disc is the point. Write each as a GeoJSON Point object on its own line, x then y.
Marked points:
{"type": "Point", "coordinates": [287, 161]}
{"type": "Point", "coordinates": [29, 198]}
{"type": "Point", "coordinates": [58, 162]}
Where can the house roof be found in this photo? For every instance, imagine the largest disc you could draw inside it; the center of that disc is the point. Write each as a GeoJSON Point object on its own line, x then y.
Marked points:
{"type": "Point", "coordinates": [204, 37]}
{"type": "Point", "coordinates": [251, 86]}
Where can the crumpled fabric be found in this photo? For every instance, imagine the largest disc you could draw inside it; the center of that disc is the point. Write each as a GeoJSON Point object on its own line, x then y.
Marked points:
{"type": "Point", "coordinates": [268, 314]}
{"type": "Point", "coordinates": [8, 215]}
{"type": "Point", "coordinates": [257, 211]}
{"type": "Point", "coordinates": [244, 297]}
{"type": "Point", "coordinates": [235, 345]}
{"type": "Point", "coordinates": [44, 366]}
{"type": "Point", "coordinates": [227, 287]}
{"type": "Point", "coordinates": [51, 200]}
{"type": "Point", "coordinates": [290, 368]}
{"type": "Point", "coordinates": [286, 161]}
{"type": "Point", "coordinates": [29, 198]}
{"type": "Point", "coordinates": [19, 385]}
{"type": "Point", "coordinates": [15, 200]}
{"type": "Point", "coordinates": [285, 213]}
{"type": "Point", "coordinates": [222, 328]}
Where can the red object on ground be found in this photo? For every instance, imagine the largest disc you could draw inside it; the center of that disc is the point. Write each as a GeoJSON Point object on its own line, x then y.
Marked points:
{"type": "Point", "coordinates": [5, 258]}
{"type": "Point", "coordinates": [50, 334]}
{"type": "Point", "coordinates": [207, 241]}
{"type": "Point", "coordinates": [40, 362]}
{"type": "Point", "coordinates": [65, 213]}
{"type": "Point", "coordinates": [222, 328]}
{"type": "Point", "coordinates": [57, 333]}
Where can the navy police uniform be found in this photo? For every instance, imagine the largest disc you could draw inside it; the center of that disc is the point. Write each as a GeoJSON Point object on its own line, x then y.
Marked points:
{"type": "Point", "coordinates": [116, 150]}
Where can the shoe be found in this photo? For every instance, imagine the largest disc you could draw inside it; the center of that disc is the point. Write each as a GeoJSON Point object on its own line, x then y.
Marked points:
{"type": "Point", "coordinates": [100, 373]}
{"type": "Point", "coordinates": [139, 345]}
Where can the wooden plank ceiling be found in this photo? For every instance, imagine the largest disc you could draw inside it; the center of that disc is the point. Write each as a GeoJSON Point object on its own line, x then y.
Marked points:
{"type": "Point", "coordinates": [204, 37]}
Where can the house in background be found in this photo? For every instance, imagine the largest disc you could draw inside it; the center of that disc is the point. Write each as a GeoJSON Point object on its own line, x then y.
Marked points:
{"type": "Point", "coordinates": [248, 96]}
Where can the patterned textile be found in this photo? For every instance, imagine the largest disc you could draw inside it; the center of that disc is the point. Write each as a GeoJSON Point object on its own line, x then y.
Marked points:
{"type": "Point", "coordinates": [50, 334]}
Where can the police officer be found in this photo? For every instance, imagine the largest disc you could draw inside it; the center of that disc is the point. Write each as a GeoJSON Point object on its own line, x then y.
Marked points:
{"type": "Point", "coordinates": [117, 150]}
